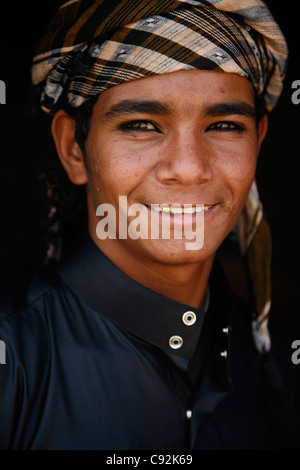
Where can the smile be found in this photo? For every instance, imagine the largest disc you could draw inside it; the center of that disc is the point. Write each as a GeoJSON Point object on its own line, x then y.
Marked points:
{"type": "Point", "coordinates": [180, 210]}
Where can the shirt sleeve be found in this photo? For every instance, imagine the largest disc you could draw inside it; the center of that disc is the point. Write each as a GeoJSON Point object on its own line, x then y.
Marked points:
{"type": "Point", "coordinates": [12, 382]}
{"type": "Point", "coordinates": [23, 368]}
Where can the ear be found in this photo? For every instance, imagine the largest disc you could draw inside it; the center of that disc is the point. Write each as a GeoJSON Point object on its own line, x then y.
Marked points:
{"type": "Point", "coordinates": [69, 152]}
{"type": "Point", "coordinates": [262, 129]}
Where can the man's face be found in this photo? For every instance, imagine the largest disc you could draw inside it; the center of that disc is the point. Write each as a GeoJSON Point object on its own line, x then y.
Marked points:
{"type": "Point", "coordinates": [187, 137]}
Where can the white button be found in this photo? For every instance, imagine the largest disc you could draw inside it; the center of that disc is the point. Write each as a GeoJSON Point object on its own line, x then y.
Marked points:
{"type": "Point", "coordinates": [188, 414]}
{"type": "Point", "coordinates": [175, 342]}
{"type": "Point", "coordinates": [189, 318]}
{"type": "Point", "coordinates": [223, 354]}
{"type": "Point", "coordinates": [225, 330]}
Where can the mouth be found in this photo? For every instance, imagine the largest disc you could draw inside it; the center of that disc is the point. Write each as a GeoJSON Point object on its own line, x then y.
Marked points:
{"type": "Point", "coordinates": [180, 209]}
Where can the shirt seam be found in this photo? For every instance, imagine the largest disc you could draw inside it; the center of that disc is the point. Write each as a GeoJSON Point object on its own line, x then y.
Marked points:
{"type": "Point", "coordinates": [32, 305]}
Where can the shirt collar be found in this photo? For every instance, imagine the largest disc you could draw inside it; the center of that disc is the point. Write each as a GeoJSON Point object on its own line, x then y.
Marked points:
{"type": "Point", "coordinates": [169, 325]}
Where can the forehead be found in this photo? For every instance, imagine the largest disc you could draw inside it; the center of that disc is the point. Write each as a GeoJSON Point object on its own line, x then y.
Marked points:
{"type": "Point", "coordinates": [182, 90]}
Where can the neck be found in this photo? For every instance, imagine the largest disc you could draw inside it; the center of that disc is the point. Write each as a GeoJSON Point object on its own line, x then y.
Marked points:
{"type": "Point", "coordinates": [184, 283]}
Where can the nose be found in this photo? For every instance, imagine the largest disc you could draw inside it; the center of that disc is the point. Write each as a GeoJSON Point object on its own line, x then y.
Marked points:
{"type": "Point", "coordinates": [185, 160]}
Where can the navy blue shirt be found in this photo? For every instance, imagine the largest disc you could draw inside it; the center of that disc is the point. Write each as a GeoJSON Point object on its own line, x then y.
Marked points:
{"type": "Point", "coordinates": [94, 360]}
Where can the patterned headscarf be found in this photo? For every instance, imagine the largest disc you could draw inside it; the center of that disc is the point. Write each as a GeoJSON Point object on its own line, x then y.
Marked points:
{"type": "Point", "coordinates": [122, 40]}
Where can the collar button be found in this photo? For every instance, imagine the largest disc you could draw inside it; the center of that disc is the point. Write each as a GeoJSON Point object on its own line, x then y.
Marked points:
{"type": "Point", "coordinates": [189, 318]}
{"type": "Point", "coordinates": [175, 342]}
{"type": "Point", "coordinates": [223, 354]}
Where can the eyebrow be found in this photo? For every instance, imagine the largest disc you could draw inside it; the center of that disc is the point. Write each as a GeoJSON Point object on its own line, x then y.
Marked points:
{"type": "Point", "coordinates": [224, 109]}
{"type": "Point", "coordinates": [140, 106]}
{"type": "Point", "coordinates": [159, 108]}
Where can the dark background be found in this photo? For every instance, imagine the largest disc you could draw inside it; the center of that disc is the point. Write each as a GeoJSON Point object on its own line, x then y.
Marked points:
{"type": "Point", "coordinates": [21, 206]}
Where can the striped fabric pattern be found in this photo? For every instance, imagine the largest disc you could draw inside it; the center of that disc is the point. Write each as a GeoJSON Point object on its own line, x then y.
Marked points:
{"type": "Point", "coordinates": [128, 39]}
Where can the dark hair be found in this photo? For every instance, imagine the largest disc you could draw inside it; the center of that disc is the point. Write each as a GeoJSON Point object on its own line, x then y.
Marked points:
{"type": "Point", "coordinates": [65, 208]}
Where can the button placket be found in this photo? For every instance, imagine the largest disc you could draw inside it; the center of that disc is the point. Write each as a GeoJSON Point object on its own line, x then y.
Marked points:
{"type": "Point", "coordinates": [188, 318]}
{"type": "Point", "coordinates": [225, 331]}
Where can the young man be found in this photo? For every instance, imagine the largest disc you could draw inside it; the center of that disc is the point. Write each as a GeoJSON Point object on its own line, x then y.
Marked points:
{"type": "Point", "coordinates": [133, 340]}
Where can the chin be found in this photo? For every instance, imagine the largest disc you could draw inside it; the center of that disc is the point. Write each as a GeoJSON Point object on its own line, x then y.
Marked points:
{"type": "Point", "coordinates": [175, 252]}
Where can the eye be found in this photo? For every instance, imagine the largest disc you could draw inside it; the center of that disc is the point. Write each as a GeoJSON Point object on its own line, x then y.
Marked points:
{"type": "Point", "coordinates": [139, 126]}
{"type": "Point", "coordinates": [226, 126]}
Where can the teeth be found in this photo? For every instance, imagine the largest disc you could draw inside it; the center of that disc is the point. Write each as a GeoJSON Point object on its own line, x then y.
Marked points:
{"type": "Point", "coordinates": [156, 208]}
{"type": "Point", "coordinates": [179, 210]}
{"type": "Point", "coordinates": [176, 210]}
{"type": "Point", "coordinates": [189, 210]}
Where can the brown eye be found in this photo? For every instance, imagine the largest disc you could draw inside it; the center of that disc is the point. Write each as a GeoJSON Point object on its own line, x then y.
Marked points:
{"type": "Point", "coordinates": [140, 126]}
{"type": "Point", "coordinates": [225, 126]}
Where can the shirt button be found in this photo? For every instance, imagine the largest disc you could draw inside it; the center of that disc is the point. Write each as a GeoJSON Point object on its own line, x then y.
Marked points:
{"type": "Point", "coordinates": [189, 318]}
{"type": "Point", "coordinates": [223, 354]}
{"type": "Point", "coordinates": [188, 414]}
{"type": "Point", "coordinates": [175, 342]}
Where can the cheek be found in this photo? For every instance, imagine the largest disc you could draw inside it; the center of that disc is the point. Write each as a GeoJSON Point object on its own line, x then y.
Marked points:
{"type": "Point", "coordinates": [238, 166]}
{"type": "Point", "coordinates": [114, 169]}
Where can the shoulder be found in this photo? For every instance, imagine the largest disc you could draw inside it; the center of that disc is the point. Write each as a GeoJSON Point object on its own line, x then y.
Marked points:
{"type": "Point", "coordinates": [275, 366]}
{"type": "Point", "coordinates": [243, 316]}
{"type": "Point", "coordinates": [274, 370]}
{"type": "Point", "coordinates": [23, 295]}
{"type": "Point", "coordinates": [29, 321]}
{"type": "Point", "coordinates": [30, 309]}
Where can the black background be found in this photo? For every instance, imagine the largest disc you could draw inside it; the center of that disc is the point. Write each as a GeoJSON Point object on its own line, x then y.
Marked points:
{"type": "Point", "coordinates": [21, 234]}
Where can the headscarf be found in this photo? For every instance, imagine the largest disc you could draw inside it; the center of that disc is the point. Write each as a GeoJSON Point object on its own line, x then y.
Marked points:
{"type": "Point", "coordinates": [122, 40]}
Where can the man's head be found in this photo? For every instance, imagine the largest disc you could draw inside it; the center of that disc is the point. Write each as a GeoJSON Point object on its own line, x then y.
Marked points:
{"type": "Point", "coordinates": [204, 66]}
{"type": "Point", "coordinates": [188, 137]}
